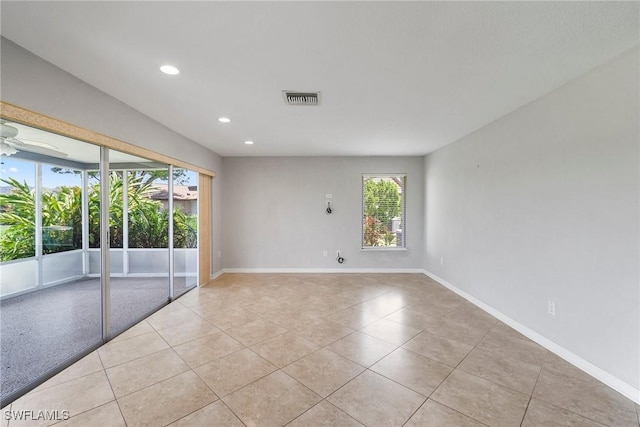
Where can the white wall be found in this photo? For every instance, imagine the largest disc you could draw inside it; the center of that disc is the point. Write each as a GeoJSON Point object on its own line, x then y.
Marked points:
{"type": "Point", "coordinates": [274, 212]}
{"type": "Point", "coordinates": [28, 81]}
{"type": "Point", "coordinates": [543, 204]}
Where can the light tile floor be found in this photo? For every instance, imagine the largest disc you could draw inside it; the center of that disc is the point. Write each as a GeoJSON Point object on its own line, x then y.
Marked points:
{"type": "Point", "coordinates": [325, 350]}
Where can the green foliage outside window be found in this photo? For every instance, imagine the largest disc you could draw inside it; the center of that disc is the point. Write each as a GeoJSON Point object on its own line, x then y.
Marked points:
{"type": "Point", "coordinates": [62, 218]}
{"type": "Point", "coordinates": [382, 199]}
{"type": "Point", "coordinates": [17, 222]}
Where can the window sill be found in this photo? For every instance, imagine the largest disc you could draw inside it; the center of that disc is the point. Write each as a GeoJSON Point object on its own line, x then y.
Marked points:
{"type": "Point", "coordinates": [383, 249]}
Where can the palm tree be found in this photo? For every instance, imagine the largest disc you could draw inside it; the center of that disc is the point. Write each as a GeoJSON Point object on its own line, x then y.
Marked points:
{"type": "Point", "coordinates": [62, 218]}
{"type": "Point", "coordinates": [17, 221]}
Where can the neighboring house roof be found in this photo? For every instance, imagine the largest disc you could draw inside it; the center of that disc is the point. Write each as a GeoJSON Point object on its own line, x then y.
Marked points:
{"type": "Point", "coordinates": [180, 192]}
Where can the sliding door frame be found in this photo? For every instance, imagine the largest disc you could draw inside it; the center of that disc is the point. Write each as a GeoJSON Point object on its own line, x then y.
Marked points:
{"type": "Point", "coordinates": [27, 117]}
{"type": "Point", "coordinates": [23, 116]}
{"type": "Point", "coordinates": [204, 229]}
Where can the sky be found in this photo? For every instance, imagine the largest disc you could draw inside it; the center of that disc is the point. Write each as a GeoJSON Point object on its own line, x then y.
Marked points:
{"type": "Point", "coordinates": [22, 171]}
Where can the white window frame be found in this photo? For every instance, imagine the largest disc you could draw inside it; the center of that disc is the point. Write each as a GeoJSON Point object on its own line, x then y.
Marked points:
{"type": "Point", "coordinates": [403, 212]}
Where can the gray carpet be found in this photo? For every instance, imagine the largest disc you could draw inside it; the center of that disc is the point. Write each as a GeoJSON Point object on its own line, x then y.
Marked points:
{"type": "Point", "coordinates": [42, 329]}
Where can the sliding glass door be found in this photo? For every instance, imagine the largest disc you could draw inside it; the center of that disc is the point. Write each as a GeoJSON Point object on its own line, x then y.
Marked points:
{"type": "Point", "coordinates": [185, 230]}
{"type": "Point", "coordinates": [139, 188]}
{"type": "Point", "coordinates": [92, 240]}
{"type": "Point", "coordinates": [50, 299]}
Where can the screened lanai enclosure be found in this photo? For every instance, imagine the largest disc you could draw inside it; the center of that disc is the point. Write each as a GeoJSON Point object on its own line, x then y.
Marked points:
{"type": "Point", "coordinates": [68, 283]}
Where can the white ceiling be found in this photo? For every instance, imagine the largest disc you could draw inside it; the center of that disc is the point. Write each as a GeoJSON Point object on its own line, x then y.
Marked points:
{"type": "Point", "coordinates": [397, 78]}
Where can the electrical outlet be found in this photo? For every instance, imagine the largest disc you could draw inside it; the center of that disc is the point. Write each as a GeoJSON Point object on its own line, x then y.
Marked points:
{"type": "Point", "coordinates": [551, 308]}
{"type": "Point", "coordinates": [338, 252]}
{"type": "Point", "coordinates": [219, 254]}
{"type": "Point", "coordinates": [328, 196]}
{"type": "Point", "coordinates": [441, 260]}
{"type": "Point", "coordinates": [325, 253]}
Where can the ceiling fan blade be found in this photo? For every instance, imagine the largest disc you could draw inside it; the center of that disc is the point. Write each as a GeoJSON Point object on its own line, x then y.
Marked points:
{"type": "Point", "coordinates": [39, 150]}
{"type": "Point", "coordinates": [7, 149]}
{"type": "Point", "coordinates": [7, 131]}
{"type": "Point", "coordinates": [44, 151]}
{"type": "Point", "coordinates": [35, 147]}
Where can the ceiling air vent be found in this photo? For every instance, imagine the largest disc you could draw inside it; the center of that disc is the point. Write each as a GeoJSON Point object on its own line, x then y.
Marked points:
{"type": "Point", "coordinates": [301, 98]}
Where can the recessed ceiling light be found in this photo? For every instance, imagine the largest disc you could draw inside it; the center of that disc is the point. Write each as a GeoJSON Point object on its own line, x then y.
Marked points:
{"type": "Point", "coordinates": [169, 69]}
{"type": "Point", "coordinates": [224, 120]}
{"type": "Point", "coordinates": [249, 142]}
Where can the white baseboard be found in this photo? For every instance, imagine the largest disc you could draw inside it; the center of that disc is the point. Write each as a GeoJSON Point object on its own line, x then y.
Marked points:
{"type": "Point", "coordinates": [216, 274]}
{"type": "Point", "coordinates": [601, 375]}
{"type": "Point", "coordinates": [323, 270]}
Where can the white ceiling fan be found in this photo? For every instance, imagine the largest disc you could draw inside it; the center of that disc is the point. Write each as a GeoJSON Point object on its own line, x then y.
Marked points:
{"type": "Point", "coordinates": [10, 145]}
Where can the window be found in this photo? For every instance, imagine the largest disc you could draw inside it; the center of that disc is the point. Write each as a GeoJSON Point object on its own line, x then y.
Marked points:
{"type": "Point", "coordinates": [17, 209]}
{"type": "Point", "coordinates": [383, 211]}
{"type": "Point", "coordinates": [61, 209]}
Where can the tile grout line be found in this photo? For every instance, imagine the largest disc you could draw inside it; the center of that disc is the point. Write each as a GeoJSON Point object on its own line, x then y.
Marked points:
{"type": "Point", "coordinates": [71, 380]}
{"type": "Point", "coordinates": [219, 399]}
{"type": "Point", "coordinates": [498, 384]}
{"type": "Point", "coordinates": [264, 376]}
{"type": "Point", "coordinates": [367, 368]}
{"type": "Point", "coordinates": [355, 361]}
{"type": "Point", "coordinates": [151, 385]}
{"type": "Point", "coordinates": [324, 399]}
{"type": "Point", "coordinates": [456, 367]}
{"type": "Point", "coordinates": [139, 357]}
{"type": "Point", "coordinates": [457, 411]}
{"type": "Point", "coordinates": [436, 361]}
{"type": "Point", "coordinates": [115, 399]}
{"type": "Point", "coordinates": [193, 339]}
{"type": "Point", "coordinates": [239, 388]}
{"type": "Point", "coordinates": [531, 396]}
{"type": "Point", "coordinates": [233, 412]}
{"type": "Point", "coordinates": [485, 379]}
{"type": "Point", "coordinates": [38, 390]}
{"type": "Point", "coordinates": [406, 386]}
{"type": "Point", "coordinates": [565, 409]}
{"type": "Point", "coordinates": [200, 378]}
{"type": "Point", "coordinates": [264, 340]}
